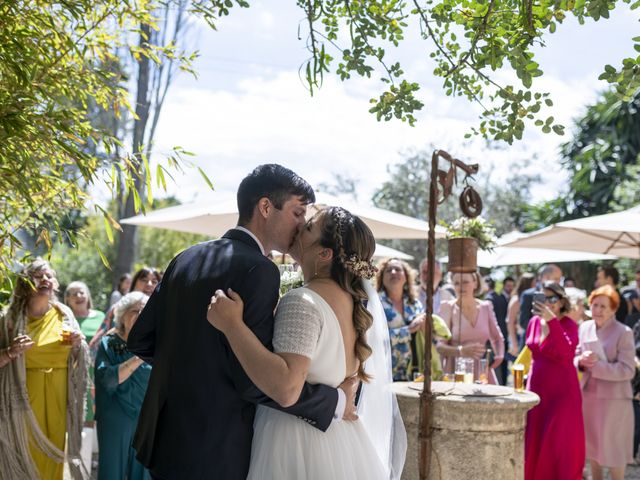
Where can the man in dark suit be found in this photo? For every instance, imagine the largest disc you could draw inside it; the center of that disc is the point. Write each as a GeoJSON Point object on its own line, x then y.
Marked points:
{"type": "Point", "coordinates": [500, 304]}
{"type": "Point", "coordinates": [197, 417]}
{"type": "Point", "coordinates": [550, 272]}
{"type": "Point", "coordinates": [608, 275]}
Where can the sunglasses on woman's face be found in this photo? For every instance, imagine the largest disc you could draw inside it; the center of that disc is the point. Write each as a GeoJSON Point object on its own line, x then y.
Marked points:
{"type": "Point", "coordinates": [552, 299]}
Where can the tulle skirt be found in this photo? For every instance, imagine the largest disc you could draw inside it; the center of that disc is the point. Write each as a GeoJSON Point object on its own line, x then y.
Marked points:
{"type": "Point", "coordinates": [288, 448]}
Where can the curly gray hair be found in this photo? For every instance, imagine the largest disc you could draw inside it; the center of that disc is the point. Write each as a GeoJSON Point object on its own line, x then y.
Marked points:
{"type": "Point", "coordinates": [576, 296]}
{"type": "Point", "coordinates": [125, 304]}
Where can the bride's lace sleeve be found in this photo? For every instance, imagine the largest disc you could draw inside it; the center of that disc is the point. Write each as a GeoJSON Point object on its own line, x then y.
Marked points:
{"type": "Point", "coordinates": [297, 324]}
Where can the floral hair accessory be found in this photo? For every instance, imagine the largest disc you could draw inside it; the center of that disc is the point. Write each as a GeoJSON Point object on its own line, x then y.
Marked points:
{"type": "Point", "coordinates": [359, 267]}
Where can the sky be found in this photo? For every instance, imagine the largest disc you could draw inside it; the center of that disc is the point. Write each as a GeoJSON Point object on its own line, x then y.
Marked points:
{"type": "Point", "coordinates": [249, 106]}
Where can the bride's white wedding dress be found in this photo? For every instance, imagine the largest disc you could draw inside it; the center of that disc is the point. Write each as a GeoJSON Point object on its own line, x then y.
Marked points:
{"type": "Point", "coordinates": [286, 447]}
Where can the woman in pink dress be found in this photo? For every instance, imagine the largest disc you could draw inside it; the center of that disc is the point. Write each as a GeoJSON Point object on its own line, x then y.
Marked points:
{"type": "Point", "coordinates": [605, 356]}
{"type": "Point", "coordinates": [554, 439]}
{"type": "Point", "coordinates": [472, 323]}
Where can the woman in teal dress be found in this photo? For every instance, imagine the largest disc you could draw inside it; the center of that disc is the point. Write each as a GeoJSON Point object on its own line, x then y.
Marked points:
{"type": "Point", "coordinates": [121, 381]}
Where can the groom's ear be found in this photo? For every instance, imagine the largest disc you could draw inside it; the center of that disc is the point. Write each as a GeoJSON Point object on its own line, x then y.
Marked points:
{"type": "Point", "coordinates": [264, 207]}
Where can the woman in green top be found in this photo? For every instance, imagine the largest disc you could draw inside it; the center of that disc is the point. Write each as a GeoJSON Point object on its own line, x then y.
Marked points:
{"type": "Point", "coordinates": [78, 297]}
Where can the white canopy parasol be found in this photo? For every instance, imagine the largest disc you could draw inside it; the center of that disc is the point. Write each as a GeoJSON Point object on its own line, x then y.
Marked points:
{"type": "Point", "coordinates": [506, 255]}
{"type": "Point", "coordinates": [614, 233]}
{"type": "Point", "coordinates": [218, 214]}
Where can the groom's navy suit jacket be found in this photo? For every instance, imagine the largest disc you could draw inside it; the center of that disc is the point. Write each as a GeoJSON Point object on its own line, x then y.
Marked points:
{"type": "Point", "coordinates": [196, 421]}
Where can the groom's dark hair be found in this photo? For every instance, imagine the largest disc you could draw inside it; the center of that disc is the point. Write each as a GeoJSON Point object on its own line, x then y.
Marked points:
{"type": "Point", "coordinates": [273, 181]}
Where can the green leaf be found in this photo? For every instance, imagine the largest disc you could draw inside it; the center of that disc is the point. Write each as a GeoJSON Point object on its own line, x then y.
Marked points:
{"type": "Point", "coordinates": [160, 180]}
{"type": "Point", "coordinates": [137, 204]}
{"type": "Point", "coordinates": [107, 228]}
{"type": "Point", "coordinates": [103, 258]}
{"type": "Point", "coordinates": [147, 179]}
{"type": "Point", "coordinates": [206, 178]}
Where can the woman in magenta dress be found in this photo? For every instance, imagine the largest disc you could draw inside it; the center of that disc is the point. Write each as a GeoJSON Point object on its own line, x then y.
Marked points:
{"type": "Point", "coordinates": [554, 439]}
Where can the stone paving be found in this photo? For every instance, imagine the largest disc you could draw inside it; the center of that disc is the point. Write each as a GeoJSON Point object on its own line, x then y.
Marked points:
{"type": "Point", "coordinates": [631, 473]}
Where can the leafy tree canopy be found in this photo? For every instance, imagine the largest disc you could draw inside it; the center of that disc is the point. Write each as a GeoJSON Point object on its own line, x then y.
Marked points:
{"type": "Point", "coordinates": [469, 40]}
{"type": "Point", "coordinates": [602, 161]}
{"type": "Point", "coordinates": [56, 67]}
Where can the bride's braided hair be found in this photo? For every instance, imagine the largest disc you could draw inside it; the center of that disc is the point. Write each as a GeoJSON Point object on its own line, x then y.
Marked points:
{"type": "Point", "coordinates": [353, 245]}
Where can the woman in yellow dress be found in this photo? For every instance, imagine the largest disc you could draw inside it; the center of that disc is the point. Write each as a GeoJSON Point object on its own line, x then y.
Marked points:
{"type": "Point", "coordinates": [43, 380]}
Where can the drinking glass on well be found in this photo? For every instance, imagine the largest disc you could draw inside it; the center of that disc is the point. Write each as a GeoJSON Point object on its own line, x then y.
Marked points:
{"type": "Point", "coordinates": [460, 370]}
{"type": "Point", "coordinates": [483, 376]}
{"type": "Point", "coordinates": [518, 377]}
{"type": "Point", "coordinates": [469, 364]}
{"type": "Point", "coordinates": [448, 377]}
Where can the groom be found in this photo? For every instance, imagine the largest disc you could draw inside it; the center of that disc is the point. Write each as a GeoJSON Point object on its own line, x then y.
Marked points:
{"type": "Point", "coordinates": [196, 421]}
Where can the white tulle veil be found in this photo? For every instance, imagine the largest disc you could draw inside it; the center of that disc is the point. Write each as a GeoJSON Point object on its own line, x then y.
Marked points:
{"type": "Point", "coordinates": [377, 406]}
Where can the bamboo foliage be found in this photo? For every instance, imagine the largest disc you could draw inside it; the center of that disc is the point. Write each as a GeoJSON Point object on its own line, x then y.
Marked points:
{"type": "Point", "coordinates": [61, 87]}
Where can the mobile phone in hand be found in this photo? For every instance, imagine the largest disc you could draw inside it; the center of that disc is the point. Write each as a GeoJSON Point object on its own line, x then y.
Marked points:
{"type": "Point", "coordinates": [538, 297]}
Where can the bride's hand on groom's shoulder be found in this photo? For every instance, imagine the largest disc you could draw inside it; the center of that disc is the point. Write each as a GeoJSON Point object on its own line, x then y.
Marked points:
{"type": "Point", "coordinates": [225, 311]}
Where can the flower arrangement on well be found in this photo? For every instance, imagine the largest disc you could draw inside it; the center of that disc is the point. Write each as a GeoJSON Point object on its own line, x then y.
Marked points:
{"type": "Point", "coordinates": [478, 228]}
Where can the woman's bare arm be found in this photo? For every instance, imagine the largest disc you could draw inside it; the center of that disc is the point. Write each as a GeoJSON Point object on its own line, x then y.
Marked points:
{"type": "Point", "coordinates": [280, 376]}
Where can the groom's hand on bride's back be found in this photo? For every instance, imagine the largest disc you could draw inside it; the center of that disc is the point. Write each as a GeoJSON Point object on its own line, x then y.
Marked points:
{"type": "Point", "coordinates": [350, 387]}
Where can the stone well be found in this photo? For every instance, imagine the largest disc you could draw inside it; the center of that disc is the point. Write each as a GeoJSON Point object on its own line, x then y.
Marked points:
{"type": "Point", "coordinates": [474, 436]}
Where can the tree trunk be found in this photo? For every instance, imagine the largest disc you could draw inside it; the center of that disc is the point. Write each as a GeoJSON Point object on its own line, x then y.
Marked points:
{"type": "Point", "coordinates": [127, 245]}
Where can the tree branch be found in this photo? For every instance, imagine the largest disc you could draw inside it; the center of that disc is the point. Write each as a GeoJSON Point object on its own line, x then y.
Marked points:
{"type": "Point", "coordinates": [476, 38]}
{"type": "Point", "coordinates": [425, 20]}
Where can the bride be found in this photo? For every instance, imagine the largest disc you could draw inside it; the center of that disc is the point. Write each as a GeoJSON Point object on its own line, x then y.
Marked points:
{"type": "Point", "coordinates": [322, 334]}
